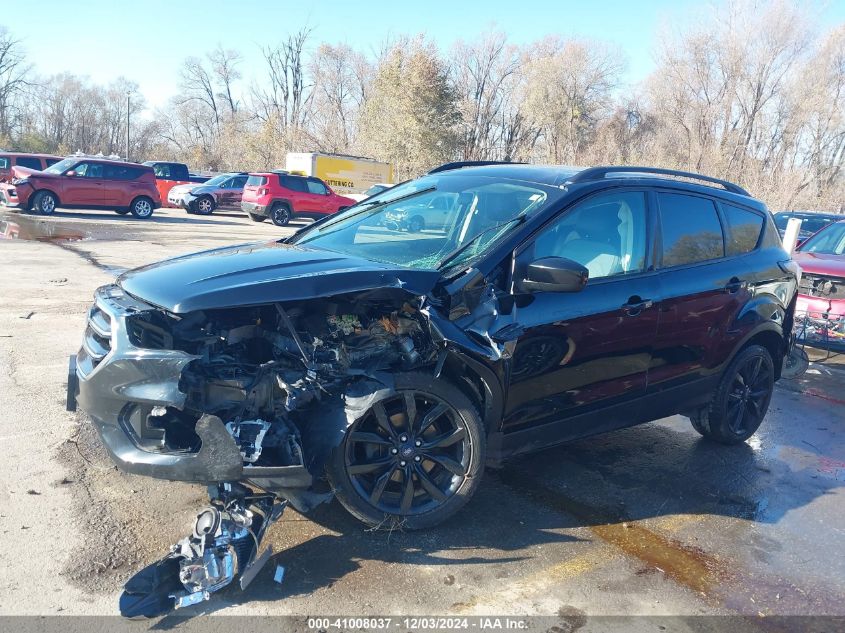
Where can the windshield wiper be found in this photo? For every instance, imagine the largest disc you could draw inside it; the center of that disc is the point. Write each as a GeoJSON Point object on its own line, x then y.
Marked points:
{"type": "Point", "coordinates": [366, 206]}
{"type": "Point", "coordinates": [451, 256]}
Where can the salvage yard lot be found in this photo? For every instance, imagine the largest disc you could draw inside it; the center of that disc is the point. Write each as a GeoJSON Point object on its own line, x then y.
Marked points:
{"type": "Point", "coordinates": [648, 520]}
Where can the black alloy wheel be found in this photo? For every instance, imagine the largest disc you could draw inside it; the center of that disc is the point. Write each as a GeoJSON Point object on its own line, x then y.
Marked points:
{"type": "Point", "coordinates": [413, 459]}
{"type": "Point", "coordinates": [280, 215]}
{"type": "Point", "coordinates": [742, 399]}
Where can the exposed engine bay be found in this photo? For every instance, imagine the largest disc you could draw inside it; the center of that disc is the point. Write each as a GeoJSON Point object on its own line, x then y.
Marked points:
{"type": "Point", "coordinates": [257, 366]}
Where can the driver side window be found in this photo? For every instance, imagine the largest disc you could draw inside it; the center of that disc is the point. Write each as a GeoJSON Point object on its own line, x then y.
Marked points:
{"type": "Point", "coordinates": [605, 233]}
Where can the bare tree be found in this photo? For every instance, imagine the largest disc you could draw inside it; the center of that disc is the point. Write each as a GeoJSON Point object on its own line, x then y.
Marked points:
{"type": "Point", "coordinates": [288, 93]}
{"type": "Point", "coordinates": [480, 73]}
{"type": "Point", "coordinates": [339, 77]}
{"type": "Point", "coordinates": [224, 65]}
{"type": "Point", "coordinates": [13, 82]}
{"type": "Point", "coordinates": [569, 90]}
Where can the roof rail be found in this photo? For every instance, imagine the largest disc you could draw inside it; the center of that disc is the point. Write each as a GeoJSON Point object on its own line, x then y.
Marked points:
{"type": "Point", "coordinates": [470, 163]}
{"type": "Point", "coordinates": [597, 173]}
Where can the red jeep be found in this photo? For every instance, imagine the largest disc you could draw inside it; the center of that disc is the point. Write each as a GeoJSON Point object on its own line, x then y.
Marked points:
{"type": "Point", "coordinates": [81, 182]}
{"type": "Point", "coordinates": [282, 196]}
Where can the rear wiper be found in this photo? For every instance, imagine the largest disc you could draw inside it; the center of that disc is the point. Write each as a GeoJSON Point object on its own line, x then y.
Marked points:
{"type": "Point", "coordinates": [451, 256]}
{"type": "Point", "coordinates": [369, 206]}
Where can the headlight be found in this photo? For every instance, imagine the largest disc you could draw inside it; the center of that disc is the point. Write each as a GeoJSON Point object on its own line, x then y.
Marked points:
{"type": "Point", "coordinates": [110, 291]}
{"type": "Point", "coordinates": [20, 181]}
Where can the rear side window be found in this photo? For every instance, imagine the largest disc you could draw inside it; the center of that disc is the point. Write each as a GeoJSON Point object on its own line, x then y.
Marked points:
{"type": "Point", "coordinates": [256, 181]}
{"type": "Point", "coordinates": [52, 161]}
{"type": "Point", "coordinates": [28, 161]}
{"type": "Point", "coordinates": [691, 229]}
{"type": "Point", "coordinates": [293, 183]}
{"type": "Point", "coordinates": [239, 182]}
{"type": "Point", "coordinates": [744, 229]}
{"type": "Point", "coordinates": [120, 172]}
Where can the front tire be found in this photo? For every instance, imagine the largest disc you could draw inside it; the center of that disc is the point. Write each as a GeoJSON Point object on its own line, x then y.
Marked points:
{"type": "Point", "coordinates": [280, 215]}
{"type": "Point", "coordinates": [141, 208]}
{"type": "Point", "coordinates": [741, 400]}
{"type": "Point", "coordinates": [416, 224]}
{"type": "Point", "coordinates": [204, 206]}
{"type": "Point", "coordinates": [256, 218]}
{"type": "Point", "coordinates": [413, 459]}
{"type": "Point", "coordinates": [45, 203]}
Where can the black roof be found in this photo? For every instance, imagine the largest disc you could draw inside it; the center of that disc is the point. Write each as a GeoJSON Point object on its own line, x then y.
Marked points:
{"type": "Point", "coordinates": [562, 174]}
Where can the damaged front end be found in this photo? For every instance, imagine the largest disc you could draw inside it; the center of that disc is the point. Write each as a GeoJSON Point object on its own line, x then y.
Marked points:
{"type": "Point", "coordinates": [250, 401]}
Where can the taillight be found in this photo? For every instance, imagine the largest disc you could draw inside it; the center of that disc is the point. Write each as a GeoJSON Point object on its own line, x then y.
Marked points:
{"type": "Point", "coordinates": [263, 192]}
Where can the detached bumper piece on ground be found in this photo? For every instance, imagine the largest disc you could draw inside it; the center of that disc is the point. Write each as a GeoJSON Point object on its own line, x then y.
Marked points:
{"type": "Point", "coordinates": [223, 546]}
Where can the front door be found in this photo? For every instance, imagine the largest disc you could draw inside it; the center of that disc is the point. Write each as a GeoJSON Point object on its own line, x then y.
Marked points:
{"type": "Point", "coordinates": [587, 350]}
{"type": "Point", "coordinates": [85, 187]}
{"type": "Point", "coordinates": [318, 196]}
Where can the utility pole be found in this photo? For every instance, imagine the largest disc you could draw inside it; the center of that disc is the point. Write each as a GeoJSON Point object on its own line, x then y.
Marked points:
{"type": "Point", "coordinates": [128, 92]}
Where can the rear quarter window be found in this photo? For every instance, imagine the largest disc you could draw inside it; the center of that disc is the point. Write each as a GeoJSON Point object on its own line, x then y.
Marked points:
{"type": "Point", "coordinates": [691, 229]}
{"type": "Point", "coordinates": [4, 162]}
{"type": "Point", "coordinates": [256, 181]}
{"type": "Point", "coordinates": [744, 228]}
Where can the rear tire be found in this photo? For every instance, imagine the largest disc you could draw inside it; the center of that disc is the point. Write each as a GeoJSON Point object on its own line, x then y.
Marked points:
{"type": "Point", "coordinates": [45, 203]}
{"type": "Point", "coordinates": [256, 218]}
{"type": "Point", "coordinates": [141, 207]}
{"type": "Point", "coordinates": [280, 214]}
{"type": "Point", "coordinates": [740, 402]}
{"type": "Point", "coordinates": [444, 469]}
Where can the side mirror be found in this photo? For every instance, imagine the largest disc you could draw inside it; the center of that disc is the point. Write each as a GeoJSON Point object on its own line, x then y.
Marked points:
{"type": "Point", "coordinates": [70, 173]}
{"type": "Point", "coordinates": [554, 274]}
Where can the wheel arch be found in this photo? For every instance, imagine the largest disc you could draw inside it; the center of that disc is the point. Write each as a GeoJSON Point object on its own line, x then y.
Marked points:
{"type": "Point", "coordinates": [772, 338]}
{"type": "Point", "coordinates": [480, 384]}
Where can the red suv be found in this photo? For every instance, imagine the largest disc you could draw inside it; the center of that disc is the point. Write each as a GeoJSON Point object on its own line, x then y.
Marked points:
{"type": "Point", "coordinates": [282, 196]}
{"type": "Point", "coordinates": [84, 183]}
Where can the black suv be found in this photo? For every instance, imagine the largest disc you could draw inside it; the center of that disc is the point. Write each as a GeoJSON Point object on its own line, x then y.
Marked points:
{"type": "Point", "coordinates": [388, 367]}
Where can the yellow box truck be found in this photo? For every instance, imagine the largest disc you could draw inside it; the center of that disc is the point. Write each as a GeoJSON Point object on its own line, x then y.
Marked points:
{"type": "Point", "coordinates": [344, 174]}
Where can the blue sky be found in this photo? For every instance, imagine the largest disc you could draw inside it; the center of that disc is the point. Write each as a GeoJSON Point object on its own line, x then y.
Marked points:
{"type": "Point", "coordinates": [146, 41]}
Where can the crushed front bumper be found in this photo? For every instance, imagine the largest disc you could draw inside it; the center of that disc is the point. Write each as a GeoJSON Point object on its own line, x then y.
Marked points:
{"type": "Point", "coordinates": [121, 386]}
{"type": "Point", "coordinates": [181, 200]}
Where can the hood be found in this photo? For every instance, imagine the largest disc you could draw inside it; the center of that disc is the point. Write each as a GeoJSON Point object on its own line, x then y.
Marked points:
{"type": "Point", "coordinates": [254, 274]}
{"type": "Point", "coordinates": [184, 188]}
{"type": "Point", "coordinates": [26, 172]}
{"type": "Point", "coordinates": [821, 263]}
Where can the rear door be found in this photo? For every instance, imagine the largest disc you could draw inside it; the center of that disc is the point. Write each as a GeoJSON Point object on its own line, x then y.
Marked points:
{"type": "Point", "coordinates": [703, 288]}
{"type": "Point", "coordinates": [584, 351]}
{"type": "Point", "coordinates": [297, 191]}
{"type": "Point", "coordinates": [85, 187]}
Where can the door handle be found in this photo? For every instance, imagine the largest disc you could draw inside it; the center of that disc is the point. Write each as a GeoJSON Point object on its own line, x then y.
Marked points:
{"type": "Point", "coordinates": [636, 305]}
{"type": "Point", "coordinates": [735, 285]}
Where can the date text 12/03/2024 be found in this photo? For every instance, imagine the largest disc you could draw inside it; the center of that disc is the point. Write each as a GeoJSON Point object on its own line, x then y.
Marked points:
{"type": "Point", "coordinates": [419, 623]}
